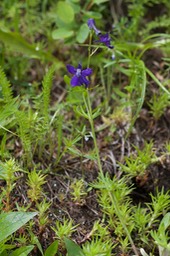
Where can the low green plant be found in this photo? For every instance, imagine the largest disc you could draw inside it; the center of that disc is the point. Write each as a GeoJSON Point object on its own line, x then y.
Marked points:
{"type": "Point", "coordinates": [35, 182]}
{"type": "Point", "coordinates": [43, 208]}
{"type": "Point", "coordinates": [98, 247]}
{"type": "Point", "coordinates": [24, 123]}
{"type": "Point", "coordinates": [5, 87]}
{"type": "Point", "coordinates": [158, 104]}
{"type": "Point", "coordinates": [136, 165]}
{"type": "Point", "coordinates": [78, 191]}
{"type": "Point", "coordinates": [158, 206]}
{"type": "Point", "coordinates": [161, 236]}
{"type": "Point", "coordinates": [141, 217]}
{"type": "Point", "coordinates": [147, 218]}
{"type": "Point", "coordinates": [8, 105]}
{"type": "Point", "coordinates": [64, 229]}
{"type": "Point", "coordinates": [8, 172]}
{"type": "Point", "coordinates": [115, 203]}
{"type": "Point", "coordinates": [37, 128]}
{"type": "Point", "coordinates": [100, 230]}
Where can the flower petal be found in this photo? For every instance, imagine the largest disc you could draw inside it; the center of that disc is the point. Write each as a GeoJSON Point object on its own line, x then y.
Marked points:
{"type": "Point", "coordinates": [79, 66]}
{"type": "Point", "coordinates": [91, 25]}
{"type": "Point", "coordinates": [105, 39]}
{"type": "Point", "coordinates": [84, 81]}
{"type": "Point", "coordinates": [71, 69]}
{"type": "Point", "coordinates": [75, 81]}
{"type": "Point", "coordinates": [87, 72]}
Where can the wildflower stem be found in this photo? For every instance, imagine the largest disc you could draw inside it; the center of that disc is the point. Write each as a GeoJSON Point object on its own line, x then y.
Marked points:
{"type": "Point", "coordinates": [90, 117]}
{"type": "Point", "coordinates": [89, 50]}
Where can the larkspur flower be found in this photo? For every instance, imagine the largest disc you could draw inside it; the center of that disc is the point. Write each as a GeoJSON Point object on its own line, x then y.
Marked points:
{"type": "Point", "coordinates": [103, 38]}
{"type": "Point", "coordinates": [80, 74]}
{"type": "Point", "coordinates": [91, 24]}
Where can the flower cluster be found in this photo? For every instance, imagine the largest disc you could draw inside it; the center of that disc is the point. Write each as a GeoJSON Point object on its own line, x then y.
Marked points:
{"type": "Point", "coordinates": [80, 74]}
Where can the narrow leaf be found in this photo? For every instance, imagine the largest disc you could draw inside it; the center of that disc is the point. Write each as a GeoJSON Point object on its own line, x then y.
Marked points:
{"type": "Point", "coordinates": [52, 249]}
{"type": "Point", "coordinates": [165, 222]}
{"type": "Point", "coordinates": [98, 2]}
{"type": "Point", "coordinates": [23, 251]}
{"type": "Point", "coordinates": [140, 83]}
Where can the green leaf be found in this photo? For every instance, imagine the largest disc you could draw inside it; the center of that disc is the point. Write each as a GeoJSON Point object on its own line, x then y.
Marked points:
{"type": "Point", "coordinates": [72, 248]}
{"type": "Point", "coordinates": [82, 33]}
{"type": "Point", "coordinates": [94, 15]}
{"type": "Point", "coordinates": [74, 151]}
{"type": "Point", "coordinates": [62, 33]}
{"type": "Point", "coordinates": [65, 12]}
{"type": "Point", "coordinates": [23, 251]}
{"type": "Point", "coordinates": [157, 81]}
{"type": "Point", "coordinates": [4, 253]}
{"type": "Point", "coordinates": [75, 1]}
{"type": "Point", "coordinates": [98, 2]}
{"type": "Point", "coordinates": [18, 43]}
{"type": "Point", "coordinates": [5, 247]}
{"type": "Point", "coordinates": [52, 249]}
{"type": "Point", "coordinates": [35, 240]}
{"type": "Point", "coordinates": [75, 95]}
{"type": "Point", "coordinates": [67, 79]}
{"type": "Point", "coordinates": [138, 81]}
{"type": "Point", "coordinates": [90, 156]}
{"type": "Point", "coordinates": [76, 7]}
{"type": "Point", "coordinates": [10, 222]}
{"type": "Point", "coordinates": [165, 222]}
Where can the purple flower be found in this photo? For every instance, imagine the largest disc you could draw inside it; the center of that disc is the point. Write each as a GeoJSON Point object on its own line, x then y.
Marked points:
{"type": "Point", "coordinates": [80, 74]}
{"type": "Point", "coordinates": [105, 39]}
{"type": "Point", "coordinates": [91, 24]}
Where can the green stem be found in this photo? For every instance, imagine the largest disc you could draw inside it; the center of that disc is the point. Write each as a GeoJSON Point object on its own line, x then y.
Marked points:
{"type": "Point", "coordinates": [90, 117]}
{"type": "Point", "coordinates": [89, 50]}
